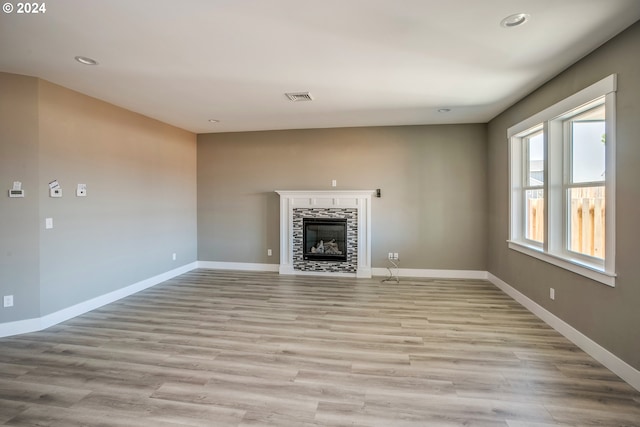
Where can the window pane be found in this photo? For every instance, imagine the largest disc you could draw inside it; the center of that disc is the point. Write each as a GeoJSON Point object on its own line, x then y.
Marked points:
{"type": "Point", "coordinates": [588, 146]}
{"type": "Point", "coordinates": [534, 227]}
{"type": "Point", "coordinates": [535, 149]}
{"type": "Point", "coordinates": [586, 221]}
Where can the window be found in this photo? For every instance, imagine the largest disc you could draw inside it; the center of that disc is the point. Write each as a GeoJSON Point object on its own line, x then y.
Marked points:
{"type": "Point", "coordinates": [585, 186]}
{"type": "Point", "coordinates": [562, 163]}
{"type": "Point", "coordinates": [533, 148]}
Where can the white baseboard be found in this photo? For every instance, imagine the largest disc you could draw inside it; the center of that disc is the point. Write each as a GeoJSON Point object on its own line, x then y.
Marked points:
{"type": "Point", "coordinates": [625, 371]}
{"type": "Point", "coordinates": [403, 272]}
{"type": "Point", "coordinates": [433, 274]}
{"type": "Point", "coordinates": [20, 327]}
{"type": "Point", "coordinates": [240, 266]}
{"type": "Point", "coordinates": [40, 323]}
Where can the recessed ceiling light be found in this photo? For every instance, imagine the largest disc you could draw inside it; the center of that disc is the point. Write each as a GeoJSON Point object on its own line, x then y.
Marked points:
{"type": "Point", "coordinates": [214, 121]}
{"type": "Point", "coordinates": [444, 110]}
{"type": "Point", "coordinates": [514, 20]}
{"type": "Point", "coordinates": [86, 61]}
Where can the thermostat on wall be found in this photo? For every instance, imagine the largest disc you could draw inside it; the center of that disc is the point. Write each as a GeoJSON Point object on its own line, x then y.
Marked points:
{"type": "Point", "coordinates": [16, 190]}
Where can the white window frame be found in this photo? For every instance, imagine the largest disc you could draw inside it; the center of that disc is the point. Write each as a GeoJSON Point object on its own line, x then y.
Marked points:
{"type": "Point", "coordinates": [554, 248]}
{"type": "Point", "coordinates": [525, 176]}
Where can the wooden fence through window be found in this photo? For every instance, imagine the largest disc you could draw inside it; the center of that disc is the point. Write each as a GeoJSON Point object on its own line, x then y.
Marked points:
{"type": "Point", "coordinates": [587, 220]}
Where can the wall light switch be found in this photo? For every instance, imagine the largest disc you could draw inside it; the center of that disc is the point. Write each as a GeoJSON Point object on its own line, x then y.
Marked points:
{"type": "Point", "coordinates": [48, 223]}
{"type": "Point", "coordinates": [8, 301]}
{"type": "Point", "coordinates": [334, 183]}
{"type": "Point", "coordinates": [55, 192]}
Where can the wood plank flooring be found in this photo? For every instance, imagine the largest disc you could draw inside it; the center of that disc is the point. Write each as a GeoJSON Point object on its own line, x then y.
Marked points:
{"type": "Point", "coordinates": [220, 348]}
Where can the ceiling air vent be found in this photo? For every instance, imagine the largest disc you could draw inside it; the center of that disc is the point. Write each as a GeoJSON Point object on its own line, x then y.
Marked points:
{"type": "Point", "coordinates": [299, 96]}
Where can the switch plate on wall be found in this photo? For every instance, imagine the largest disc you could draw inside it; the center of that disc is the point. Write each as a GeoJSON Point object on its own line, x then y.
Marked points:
{"type": "Point", "coordinates": [48, 223]}
{"type": "Point", "coordinates": [8, 301]}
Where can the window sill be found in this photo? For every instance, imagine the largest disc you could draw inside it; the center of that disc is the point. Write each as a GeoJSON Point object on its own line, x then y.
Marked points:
{"type": "Point", "coordinates": [578, 267]}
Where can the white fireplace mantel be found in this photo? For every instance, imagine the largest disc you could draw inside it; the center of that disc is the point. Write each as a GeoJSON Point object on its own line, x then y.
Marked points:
{"type": "Point", "coordinates": [358, 199]}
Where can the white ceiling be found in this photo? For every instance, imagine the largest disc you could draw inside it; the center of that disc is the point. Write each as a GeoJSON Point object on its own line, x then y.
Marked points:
{"type": "Point", "coordinates": [366, 62]}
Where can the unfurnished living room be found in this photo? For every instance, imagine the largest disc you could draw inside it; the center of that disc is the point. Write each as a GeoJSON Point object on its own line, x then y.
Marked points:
{"type": "Point", "coordinates": [320, 213]}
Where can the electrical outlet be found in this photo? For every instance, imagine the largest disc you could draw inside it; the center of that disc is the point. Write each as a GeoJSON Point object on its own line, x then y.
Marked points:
{"type": "Point", "coordinates": [8, 300]}
{"type": "Point", "coordinates": [174, 256]}
{"type": "Point", "coordinates": [334, 183]}
{"type": "Point", "coordinates": [269, 252]}
{"type": "Point", "coordinates": [552, 293]}
{"type": "Point", "coordinates": [395, 256]}
{"type": "Point", "coordinates": [390, 255]}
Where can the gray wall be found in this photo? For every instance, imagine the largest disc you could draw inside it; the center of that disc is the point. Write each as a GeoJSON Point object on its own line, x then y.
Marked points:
{"type": "Point", "coordinates": [140, 208]}
{"type": "Point", "coordinates": [609, 316]}
{"type": "Point", "coordinates": [19, 217]}
{"type": "Point", "coordinates": [433, 181]}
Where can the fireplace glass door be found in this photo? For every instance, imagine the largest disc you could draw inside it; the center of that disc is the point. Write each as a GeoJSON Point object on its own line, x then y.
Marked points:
{"type": "Point", "coordinates": [325, 239]}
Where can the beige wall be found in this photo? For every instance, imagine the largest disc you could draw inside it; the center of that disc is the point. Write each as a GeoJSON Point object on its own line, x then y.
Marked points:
{"type": "Point", "coordinates": [141, 201]}
{"type": "Point", "coordinates": [609, 316]}
{"type": "Point", "coordinates": [433, 181]}
{"type": "Point", "coordinates": [140, 208]}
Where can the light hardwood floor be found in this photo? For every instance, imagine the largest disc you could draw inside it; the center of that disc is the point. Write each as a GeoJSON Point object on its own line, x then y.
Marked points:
{"type": "Point", "coordinates": [217, 348]}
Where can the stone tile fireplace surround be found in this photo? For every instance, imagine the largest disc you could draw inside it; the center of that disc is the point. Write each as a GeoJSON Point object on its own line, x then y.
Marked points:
{"type": "Point", "coordinates": [352, 205]}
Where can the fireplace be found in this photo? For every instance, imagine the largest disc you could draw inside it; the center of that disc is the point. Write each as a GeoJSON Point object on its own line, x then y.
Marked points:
{"type": "Point", "coordinates": [347, 208]}
{"type": "Point", "coordinates": [324, 239]}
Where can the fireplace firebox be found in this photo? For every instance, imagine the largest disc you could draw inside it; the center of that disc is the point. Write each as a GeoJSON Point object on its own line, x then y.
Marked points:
{"type": "Point", "coordinates": [324, 239]}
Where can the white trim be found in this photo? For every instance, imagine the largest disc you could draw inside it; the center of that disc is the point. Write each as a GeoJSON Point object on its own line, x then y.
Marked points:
{"type": "Point", "coordinates": [596, 90]}
{"type": "Point", "coordinates": [44, 322]}
{"type": "Point", "coordinates": [610, 183]}
{"type": "Point", "coordinates": [331, 195]}
{"type": "Point", "coordinates": [358, 199]}
{"type": "Point", "coordinates": [20, 327]}
{"type": "Point", "coordinates": [364, 274]}
{"type": "Point", "coordinates": [240, 266]}
{"type": "Point", "coordinates": [434, 274]}
{"type": "Point", "coordinates": [612, 362]}
{"type": "Point", "coordinates": [286, 269]}
{"type": "Point", "coordinates": [554, 249]}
